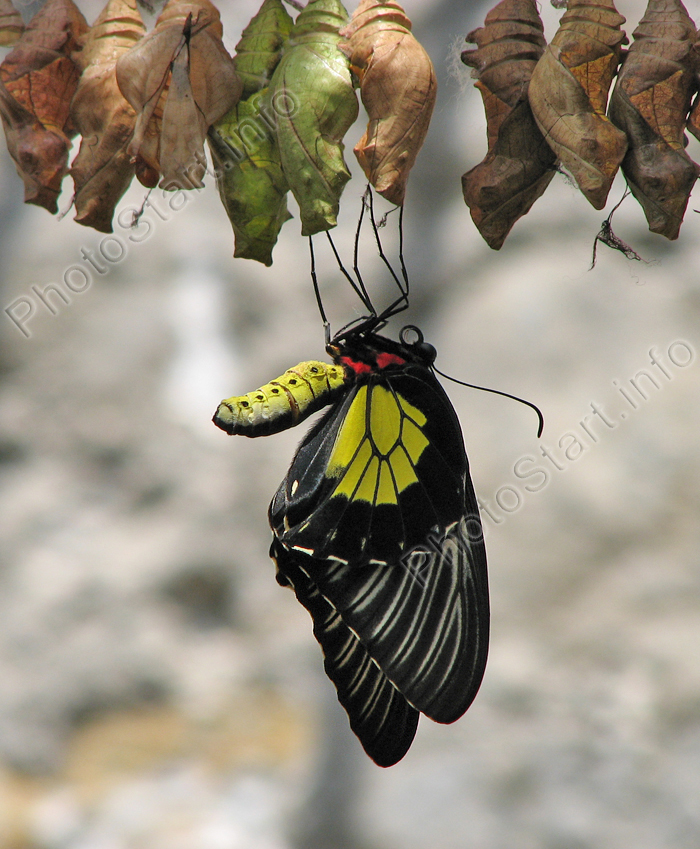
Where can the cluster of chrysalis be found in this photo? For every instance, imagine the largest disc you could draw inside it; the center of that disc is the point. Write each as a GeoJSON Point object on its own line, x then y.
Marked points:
{"type": "Point", "coordinates": [547, 104]}
{"type": "Point", "coordinates": [274, 114]}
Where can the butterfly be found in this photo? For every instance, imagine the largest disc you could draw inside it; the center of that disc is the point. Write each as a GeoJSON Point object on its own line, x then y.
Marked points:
{"type": "Point", "coordinates": [376, 529]}
{"type": "Point", "coordinates": [376, 526]}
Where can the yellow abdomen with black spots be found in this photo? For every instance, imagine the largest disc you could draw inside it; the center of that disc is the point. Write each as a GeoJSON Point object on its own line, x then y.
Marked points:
{"type": "Point", "coordinates": [282, 403]}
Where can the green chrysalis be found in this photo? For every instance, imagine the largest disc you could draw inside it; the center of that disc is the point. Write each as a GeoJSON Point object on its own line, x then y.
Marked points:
{"type": "Point", "coordinates": [314, 104]}
{"type": "Point", "coordinates": [261, 44]}
{"type": "Point", "coordinates": [251, 183]}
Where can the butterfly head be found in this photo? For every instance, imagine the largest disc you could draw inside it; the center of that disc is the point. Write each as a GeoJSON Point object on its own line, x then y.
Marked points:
{"type": "Point", "coordinates": [365, 352]}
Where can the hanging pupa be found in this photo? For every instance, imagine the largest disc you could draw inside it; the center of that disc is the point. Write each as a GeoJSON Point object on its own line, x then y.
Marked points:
{"type": "Point", "coordinates": [398, 89]}
{"type": "Point", "coordinates": [519, 164]}
{"type": "Point", "coordinates": [252, 186]}
{"type": "Point", "coordinates": [37, 82]}
{"type": "Point", "coordinates": [259, 50]}
{"type": "Point", "coordinates": [312, 98]}
{"type": "Point", "coordinates": [569, 90]}
{"type": "Point", "coordinates": [650, 103]}
{"type": "Point", "coordinates": [180, 80]}
{"type": "Point", "coordinates": [250, 179]}
{"type": "Point", "coordinates": [11, 24]}
{"type": "Point", "coordinates": [102, 170]}
{"type": "Point", "coordinates": [693, 124]}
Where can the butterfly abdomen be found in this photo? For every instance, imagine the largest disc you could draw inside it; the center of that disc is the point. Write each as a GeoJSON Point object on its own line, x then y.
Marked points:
{"type": "Point", "coordinates": [283, 402]}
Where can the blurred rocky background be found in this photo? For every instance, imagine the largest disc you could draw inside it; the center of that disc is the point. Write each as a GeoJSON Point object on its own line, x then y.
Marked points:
{"type": "Point", "coordinates": [158, 690]}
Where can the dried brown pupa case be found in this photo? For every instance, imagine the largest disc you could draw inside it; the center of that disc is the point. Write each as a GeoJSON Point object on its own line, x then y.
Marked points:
{"type": "Point", "coordinates": [693, 124]}
{"type": "Point", "coordinates": [179, 79]}
{"type": "Point", "coordinates": [37, 81]}
{"type": "Point", "coordinates": [650, 103]}
{"type": "Point", "coordinates": [398, 89]}
{"type": "Point", "coordinates": [102, 170]}
{"type": "Point", "coordinates": [519, 164]}
{"type": "Point", "coordinates": [568, 94]}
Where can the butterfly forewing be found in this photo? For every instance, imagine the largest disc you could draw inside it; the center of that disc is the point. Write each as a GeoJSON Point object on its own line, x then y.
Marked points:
{"type": "Point", "coordinates": [424, 620]}
{"type": "Point", "coordinates": [379, 714]}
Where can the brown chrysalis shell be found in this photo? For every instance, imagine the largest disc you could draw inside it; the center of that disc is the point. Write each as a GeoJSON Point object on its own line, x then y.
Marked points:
{"type": "Point", "coordinates": [568, 93]}
{"type": "Point", "coordinates": [179, 79]}
{"type": "Point", "coordinates": [102, 170]}
{"type": "Point", "coordinates": [398, 89]}
{"type": "Point", "coordinates": [37, 81]}
{"type": "Point", "coordinates": [519, 164]}
{"type": "Point", "coordinates": [11, 24]}
{"type": "Point", "coordinates": [650, 103]}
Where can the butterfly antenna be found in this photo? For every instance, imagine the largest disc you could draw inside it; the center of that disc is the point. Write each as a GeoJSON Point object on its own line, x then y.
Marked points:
{"type": "Point", "coordinates": [498, 392]}
{"type": "Point", "coordinates": [317, 291]}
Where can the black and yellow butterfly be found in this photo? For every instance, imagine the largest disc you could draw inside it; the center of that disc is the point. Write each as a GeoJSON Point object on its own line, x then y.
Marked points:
{"type": "Point", "coordinates": [377, 530]}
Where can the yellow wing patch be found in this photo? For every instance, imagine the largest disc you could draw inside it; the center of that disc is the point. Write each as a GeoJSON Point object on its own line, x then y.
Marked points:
{"type": "Point", "coordinates": [377, 447]}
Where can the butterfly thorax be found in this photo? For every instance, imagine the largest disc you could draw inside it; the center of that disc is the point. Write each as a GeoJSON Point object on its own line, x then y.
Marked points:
{"type": "Point", "coordinates": [366, 354]}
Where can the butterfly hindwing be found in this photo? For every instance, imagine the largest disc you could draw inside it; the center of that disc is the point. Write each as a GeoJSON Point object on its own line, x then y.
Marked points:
{"type": "Point", "coordinates": [378, 506]}
{"type": "Point", "coordinates": [383, 468]}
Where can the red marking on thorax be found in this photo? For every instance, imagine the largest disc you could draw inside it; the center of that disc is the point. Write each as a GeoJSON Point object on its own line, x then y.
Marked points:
{"type": "Point", "coordinates": [355, 365]}
{"type": "Point", "coordinates": [384, 360]}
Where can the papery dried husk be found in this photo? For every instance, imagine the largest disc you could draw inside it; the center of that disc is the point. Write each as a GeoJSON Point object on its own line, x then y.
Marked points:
{"type": "Point", "coordinates": [568, 94]}
{"type": "Point", "coordinates": [693, 123]}
{"type": "Point", "coordinates": [398, 88]}
{"type": "Point", "coordinates": [650, 103]}
{"type": "Point", "coordinates": [179, 79]}
{"type": "Point", "coordinates": [102, 170]}
{"type": "Point", "coordinates": [38, 80]}
{"type": "Point", "coordinates": [11, 24]}
{"type": "Point", "coordinates": [519, 164]}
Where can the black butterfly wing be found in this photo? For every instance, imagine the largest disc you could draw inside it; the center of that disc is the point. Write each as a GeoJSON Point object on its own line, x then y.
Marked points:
{"type": "Point", "coordinates": [379, 715]}
{"type": "Point", "coordinates": [382, 469]}
{"type": "Point", "coordinates": [424, 621]}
